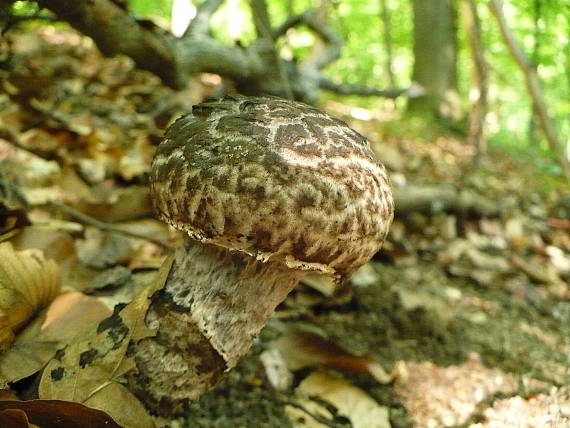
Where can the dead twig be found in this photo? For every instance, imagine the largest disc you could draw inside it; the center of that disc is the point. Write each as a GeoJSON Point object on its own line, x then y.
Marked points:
{"type": "Point", "coordinates": [106, 227]}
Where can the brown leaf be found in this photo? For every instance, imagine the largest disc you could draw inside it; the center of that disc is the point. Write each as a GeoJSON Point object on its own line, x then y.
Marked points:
{"type": "Point", "coordinates": [8, 394]}
{"type": "Point", "coordinates": [118, 204]}
{"type": "Point", "coordinates": [28, 282]}
{"type": "Point", "coordinates": [52, 414]}
{"type": "Point", "coordinates": [103, 249]}
{"type": "Point", "coordinates": [350, 401]}
{"type": "Point", "coordinates": [301, 349]}
{"type": "Point", "coordinates": [98, 380]}
{"type": "Point", "coordinates": [14, 418]}
{"type": "Point", "coordinates": [66, 316]}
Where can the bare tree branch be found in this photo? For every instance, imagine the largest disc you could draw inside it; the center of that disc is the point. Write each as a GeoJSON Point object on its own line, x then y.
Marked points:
{"type": "Point", "coordinates": [261, 19]}
{"type": "Point", "coordinates": [346, 89]}
{"type": "Point", "coordinates": [291, 22]}
{"type": "Point", "coordinates": [332, 43]}
{"type": "Point", "coordinates": [263, 29]}
{"type": "Point", "coordinates": [478, 113]}
{"type": "Point", "coordinates": [106, 227]}
{"type": "Point", "coordinates": [200, 25]}
{"type": "Point", "coordinates": [327, 35]}
{"type": "Point", "coordinates": [533, 86]}
{"type": "Point", "coordinates": [430, 199]}
{"type": "Point", "coordinates": [103, 21]}
{"type": "Point", "coordinates": [255, 69]}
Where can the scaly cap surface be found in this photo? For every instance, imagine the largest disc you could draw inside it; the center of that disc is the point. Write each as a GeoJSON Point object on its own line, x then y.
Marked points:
{"type": "Point", "coordinates": [275, 179]}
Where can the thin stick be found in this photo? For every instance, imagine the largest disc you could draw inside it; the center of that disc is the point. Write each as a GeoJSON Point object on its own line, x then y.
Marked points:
{"type": "Point", "coordinates": [84, 218]}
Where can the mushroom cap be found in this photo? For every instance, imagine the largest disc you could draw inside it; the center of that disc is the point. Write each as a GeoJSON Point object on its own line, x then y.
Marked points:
{"type": "Point", "coordinates": [276, 179]}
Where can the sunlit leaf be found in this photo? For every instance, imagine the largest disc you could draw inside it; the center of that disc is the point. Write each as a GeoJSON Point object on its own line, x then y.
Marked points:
{"type": "Point", "coordinates": [98, 379]}
{"type": "Point", "coordinates": [350, 402]}
{"type": "Point", "coordinates": [28, 282]}
{"type": "Point", "coordinates": [68, 314]}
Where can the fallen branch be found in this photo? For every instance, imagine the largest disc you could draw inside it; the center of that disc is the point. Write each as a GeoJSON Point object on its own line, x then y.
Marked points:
{"type": "Point", "coordinates": [413, 91]}
{"type": "Point", "coordinates": [432, 199]}
{"type": "Point", "coordinates": [256, 69]}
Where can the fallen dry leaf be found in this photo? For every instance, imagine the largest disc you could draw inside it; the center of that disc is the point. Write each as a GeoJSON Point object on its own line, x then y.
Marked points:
{"type": "Point", "coordinates": [101, 250]}
{"type": "Point", "coordinates": [322, 283]}
{"type": "Point", "coordinates": [15, 418]}
{"type": "Point", "coordinates": [350, 401]}
{"type": "Point", "coordinates": [59, 245]}
{"type": "Point", "coordinates": [102, 350]}
{"type": "Point", "coordinates": [68, 314]}
{"type": "Point", "coordinates": [300, 349]}
{"type": "Point", "coordinates": [117, 204]}
{"type": "Point", "coordinates": [52, 414]}
{"type": "Point", "coordinates": [28, 282]}
{"type": "Point", "coordinates": [365, 276]}
{"type": "Point", "coordinates": [276, 370]}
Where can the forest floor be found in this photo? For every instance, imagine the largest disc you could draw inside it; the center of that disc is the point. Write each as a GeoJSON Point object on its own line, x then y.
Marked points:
{"type": "Point", "coordinates": [467, 307]}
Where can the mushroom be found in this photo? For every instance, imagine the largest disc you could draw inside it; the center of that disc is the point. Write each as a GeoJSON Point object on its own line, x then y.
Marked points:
{"type": "Point", "coordinates": [266, 190]}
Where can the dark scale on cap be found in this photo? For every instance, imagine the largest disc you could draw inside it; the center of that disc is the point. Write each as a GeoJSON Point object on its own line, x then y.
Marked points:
{"type": "Point", "coordinates": [275, 179]}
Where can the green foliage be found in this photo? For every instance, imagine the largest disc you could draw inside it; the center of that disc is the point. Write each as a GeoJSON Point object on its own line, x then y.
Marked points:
{"type": "Point", "coordinates": [151, 9]}
{"type": "Point", "coordinates": [364, 54]}
{"type": "Point", "coordinates": [232, 22]}
{"type": "Point", "coordinates": [542, 27]}
{"type": "Point", "coordinates": [510, 104]}
{"type": "Point", "coordinates": [359, 24]}
{"type": "Point", "coordinates": [20, 8]}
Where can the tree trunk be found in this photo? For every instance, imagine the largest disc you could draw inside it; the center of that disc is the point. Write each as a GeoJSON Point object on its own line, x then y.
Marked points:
{"type": "Point", "coordinates": [321, 13]}
{"type": "Point", "coordinates": [480, 81]}
{"type": "Point", "coordinates": [533, 86]}
{"type": "Point", "coordinates": [435, 59]}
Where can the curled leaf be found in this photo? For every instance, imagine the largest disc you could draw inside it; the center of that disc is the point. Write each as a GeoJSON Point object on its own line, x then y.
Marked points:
{"type": "Point", "coordinates": [302, 349]}
{"type": "Point", "coordinates": [28, 283]}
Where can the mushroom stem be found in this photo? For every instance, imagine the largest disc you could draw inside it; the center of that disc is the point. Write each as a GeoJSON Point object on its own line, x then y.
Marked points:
{"type": "Point", "coordinates": [206, 316]}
